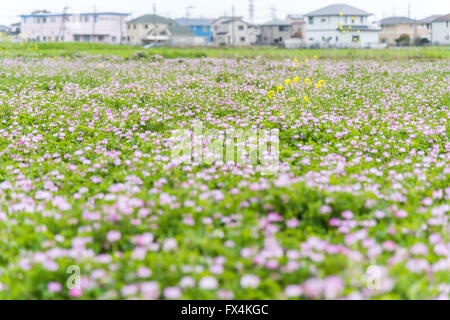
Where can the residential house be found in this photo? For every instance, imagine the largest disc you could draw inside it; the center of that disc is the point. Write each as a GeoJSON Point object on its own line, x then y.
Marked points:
{"type": "Point", "coordinates": [393, 28]}
{"type": "Point", "coordinates": [297, 22]}
{"type": "Point", "coordinates": [233, 32]}
{"type": "Point", "coordinates": [275, 32]}
{"type": "Point", "coordinates": [200, 27]}
{"type": "Point", "coordinates": [440, 30]}
{"type": "Point", "coordinates": [182, 36]}
{"type": "Point", "coordinates": [103, 27]}
{"type": "Point", "coordinates": [14, 29]}
{"type": "Point", "coordinates": [426, 25]}
{"type": "Point", "coordinates": [149, 28]}
{"type": "Point", "coordinates": [341, 26]}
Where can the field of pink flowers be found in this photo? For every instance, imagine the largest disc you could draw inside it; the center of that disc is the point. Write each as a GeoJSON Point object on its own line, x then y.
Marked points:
{"type": "Point", "coordinates": [93, 206]}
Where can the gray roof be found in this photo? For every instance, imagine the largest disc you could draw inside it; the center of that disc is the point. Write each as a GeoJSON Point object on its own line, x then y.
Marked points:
{"type": "Point", "coordinates": [429, 19]}
{"type": "Point", "coordinates": [396, 20]}
{"type": "Point", "coordinates": [151, 18]}
{"type": "Point", "coordinates": [193, 22]}
{"type": "Point", "coordinates": [276, 22]}
{"type": "Point", "coordinates": [180, 30]}
{"type": "Point", "coordinates": [337, 9]}
{"type": "Point", "coordinates": [443, 18]}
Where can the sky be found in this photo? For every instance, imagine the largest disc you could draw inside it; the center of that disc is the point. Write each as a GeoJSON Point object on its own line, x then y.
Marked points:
{"type": "Point", "coordinates": [264, 9]}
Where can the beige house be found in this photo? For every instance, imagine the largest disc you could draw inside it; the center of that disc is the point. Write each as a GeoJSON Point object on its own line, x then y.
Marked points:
{"type": "Point", "coordinates": [394, 27]}
{"type": "Point", "coordinates": [297, 25]}
{"type": "Point", "coordinates": [233, 31]}
{"type": "Point", "coordinates": [149, 28]}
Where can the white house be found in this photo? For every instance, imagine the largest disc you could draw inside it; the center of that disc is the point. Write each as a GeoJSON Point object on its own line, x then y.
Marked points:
{"type": "Point", "coordinates": [233, 32]}
{"type": "Point", "coordinates": [440, 30]}
{"type": "Point", "coordinates": [103, 27]}
{"type": "Point", "coordinates": [340, 26]}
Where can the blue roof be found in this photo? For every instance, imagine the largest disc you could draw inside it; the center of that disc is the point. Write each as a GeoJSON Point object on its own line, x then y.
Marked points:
{"type": "Point", "coordinates": [72, 14]}
{"type": "Point", "coordinates": [193, 22]}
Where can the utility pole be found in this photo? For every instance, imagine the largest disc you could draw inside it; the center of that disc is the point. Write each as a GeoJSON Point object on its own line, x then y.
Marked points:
{"type": "Point", "coordinates": [62, 27]}
{"type": "Point", "coordinates": [409, 9]}
{"type": "Point", "coordinates": [274, 12]}
{"type": "Point", "coordinates": [93, 24]}
{"type": "Point", "coordinates": [232, 26]}
{"type": "Point", "coordinates": [251, 11]}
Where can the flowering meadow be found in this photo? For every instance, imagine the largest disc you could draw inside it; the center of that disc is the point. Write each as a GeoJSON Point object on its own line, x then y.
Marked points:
{"type": "Point", "coordinates": [93, 205]}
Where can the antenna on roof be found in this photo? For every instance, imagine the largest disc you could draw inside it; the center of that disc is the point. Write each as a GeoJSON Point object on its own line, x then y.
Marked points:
{"type": "Point", "coordinates": [274, 12]}
{"type": "Point", "coordinates": [409, 9]}
{"type": "Point", "coordinates": [188, 11]}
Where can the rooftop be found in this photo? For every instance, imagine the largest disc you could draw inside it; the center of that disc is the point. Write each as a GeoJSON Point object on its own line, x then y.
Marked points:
{"type": "Point", "coordinates": [396, 20]}
{"type": "Point", "coordinates": [151, 18]}
{"type": "Point", "coordinates": [429, 19]}
{"type": "Point", "coordinates": [193, 22]}
{"type": "Point", "coordinates": [443, 18]}
{"type": "Point", "coordinates": [72, 14]}
{"type": "Point", "coordinates": [337, 9]}
{"type": "Point", "coordinates": [276, 22]}
{"type": "Point", "coordinates": [180, 30]}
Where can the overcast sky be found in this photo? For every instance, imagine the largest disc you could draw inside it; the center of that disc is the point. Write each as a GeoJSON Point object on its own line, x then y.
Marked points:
{"type": "Point", "coordinates": [264, 9]}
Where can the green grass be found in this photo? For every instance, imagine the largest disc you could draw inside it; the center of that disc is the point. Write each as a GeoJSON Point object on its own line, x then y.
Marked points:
{"type": "Point", "coordinates": [70, 49]}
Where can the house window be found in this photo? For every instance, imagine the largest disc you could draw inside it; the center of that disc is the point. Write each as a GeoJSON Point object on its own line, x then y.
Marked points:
{"type": "Point", "coordinates": [311, 20]}
{"type": "Point", "coordinates": [38, 20]}
{"type": "Point", "coordinates": [241, 28]}
{"type": "Point", "coordinates": [44, 20]}
{"type": "Point", "coordinates": [86, 38]}
{"type": "Point", "coordinates": [362, 19]}
{"type": "Point", "coordinates": [242, 39]}
{"type": "Point", "coordinates": [86, 18]}
{"type": "Point", "coordinates": [76, 38]}
{"type": "Point", "coordinates": [283, 28]}
{"type": "Point", "coordinates": [410, 26]}
{"type": "Point", "coordinates": [113, 39]}
{"type": "Point", "coordinates": [134, 26]}
{"type": "Point", "coordinates": [101, 38]}
{"type": "Point", "coordinates": [128, 38]}
{"type": "Point", "coordinates": [146, 26]}
{"type": "Point", "coordinates": [323, 20]}
{"type": "Point", "coordinates": [337, 39]}
{"type": "Point", "coordinates": [355, 38]}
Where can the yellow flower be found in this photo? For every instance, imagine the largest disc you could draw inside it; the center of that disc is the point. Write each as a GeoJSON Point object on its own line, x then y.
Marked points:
{"type": "Point", "coordinates": [350, 27]}
{"type": "Point", "coordinates": [280, 88]}
{"type": "Point", "coordinates": [287, 81]}
{"type": "Point", "coordinates": [307, 81]}
{"type": "Point", "coordinates": [99, 64]}
{"type": "Point", "coordinates": [295, 59]}
{"type": "Point", "coordinates": [306, 99]}
{"type": "Point", "coordinates": [306, 60]}
{"type": "Point", "coordinates": [293, 99]}
{"type": "Point", "coordinates": [358, 31]}
{"type": "Point", "coordinates": [295, 80]}
{"type": "Point", "coordinates": [341, 14]}
{"type": "Point", "coordinates": [353, 18]}
{"type": "Point", "coordinates": [270, 94]}
{"type": "Point", "coordinates": [315, 57]}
